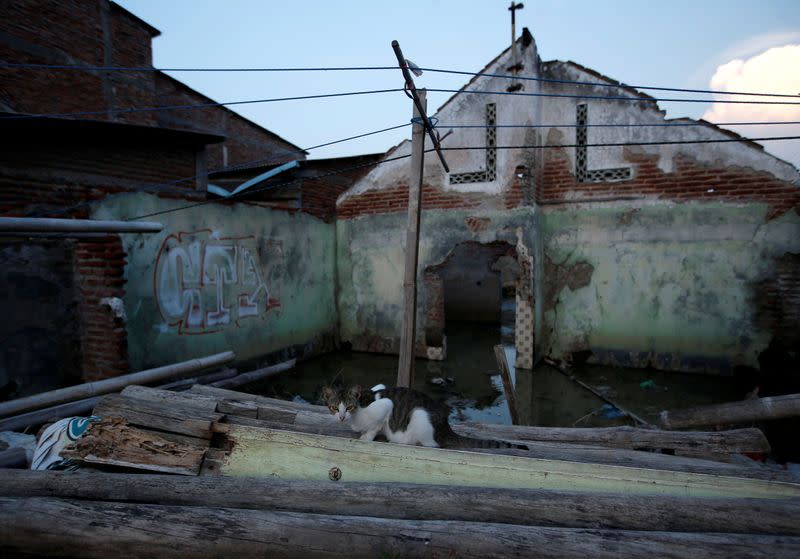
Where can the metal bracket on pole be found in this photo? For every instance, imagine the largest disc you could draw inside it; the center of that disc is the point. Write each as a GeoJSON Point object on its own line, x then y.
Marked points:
{"type": "Point", "coordinates": [411, 88]}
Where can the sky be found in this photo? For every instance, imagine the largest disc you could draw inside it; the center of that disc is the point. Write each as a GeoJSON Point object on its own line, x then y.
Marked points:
{"type": "Point", "coordinates": [729, 45]}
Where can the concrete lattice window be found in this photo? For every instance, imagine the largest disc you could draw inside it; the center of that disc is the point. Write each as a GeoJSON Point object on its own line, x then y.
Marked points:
{"type": "Point", "coordinates": [582, 173]}
{"type": "Point", "coordinates": [490, 172]}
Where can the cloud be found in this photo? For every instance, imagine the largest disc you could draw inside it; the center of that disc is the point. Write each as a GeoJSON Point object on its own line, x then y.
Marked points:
{"type": "Point", "coordinates": [772, 71]}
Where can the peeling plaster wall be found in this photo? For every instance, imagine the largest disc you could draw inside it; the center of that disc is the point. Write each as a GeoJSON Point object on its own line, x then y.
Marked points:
{"type": "Point", "coordinates": [371, 260]}
{"type": "Point", "coordinates": [217, 278]}
{"type": "Point", "coordinates": [664, 285]}
{"type": "Point", "coordinates": [471, 109]}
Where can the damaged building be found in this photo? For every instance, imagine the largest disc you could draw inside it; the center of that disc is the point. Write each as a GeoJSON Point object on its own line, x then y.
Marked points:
{"type": "Point", "coordinates": [617, 244]}
{"type": "Point", "coordinates": [635, 243]}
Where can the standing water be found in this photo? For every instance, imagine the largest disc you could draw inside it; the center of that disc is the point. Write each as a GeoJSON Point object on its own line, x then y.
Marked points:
{"type": "Point", "coordinates": [469, 382]}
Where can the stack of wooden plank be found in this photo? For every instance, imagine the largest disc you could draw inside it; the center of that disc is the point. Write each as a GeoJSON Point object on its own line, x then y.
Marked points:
{"type": "Point", "coordinates": [285, 479]}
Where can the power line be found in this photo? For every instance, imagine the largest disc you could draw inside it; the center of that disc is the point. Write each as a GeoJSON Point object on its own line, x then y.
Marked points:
{"type": "Point", "coordinates": [88, 67]}
{"type": "Point", "coordinates": [12, 65]}
{"type": "Point", "coordinates": [238, 167]}
{"type": "Point", "coordinates": [615, 125]}
{"type": "Point", "coordinates": [601, 84]}
{"type": "Point", "coordinates": [625, 144]}
{"type": "Point", "coordinates": [270, 187]}
{"type": "Point", "coordinates": [615, 97]}
{"type": "Point", "coordinates": [197, 105]}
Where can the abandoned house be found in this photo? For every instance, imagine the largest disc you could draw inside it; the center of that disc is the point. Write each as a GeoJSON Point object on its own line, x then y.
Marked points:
{"type": "Point", "coordinates": [679, 256]}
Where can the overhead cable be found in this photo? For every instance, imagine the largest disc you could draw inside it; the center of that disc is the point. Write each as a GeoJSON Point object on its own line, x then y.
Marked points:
{"type": "Point", "coordinates": [196, 105]}
{"type": "Point", "coordinates": [30, 66]}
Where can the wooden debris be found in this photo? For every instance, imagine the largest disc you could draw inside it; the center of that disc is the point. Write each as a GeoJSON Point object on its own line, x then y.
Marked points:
{"type": "Point", "coordinates": [712, 442]}
{"type": "Point", "coordinates": [113, 384]}
{"type": "Point", "coordinates": [508, 386]}
{"type": "Point", "coordinates": [756, 409]}
{"type": "Point", "coordinates": [176, 416]}
{"type": "Point", "coordinates": [115, 443]}
{"type": "Point", "coordinates": [528, 507]}
{"type": "Point", "coordinates": [180, 532]}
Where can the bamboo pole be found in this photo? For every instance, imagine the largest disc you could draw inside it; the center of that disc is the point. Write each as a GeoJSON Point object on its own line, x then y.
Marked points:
{"type": "Point", "coordinates": [52, 225]}
{"type": "Point", "coordinates": [528, 507]}
{"type": "Point", "coordinates": [114, 384]}
{"type": "Point", "coordinates": [757, 409]}
{"type": "Point", "coordinates": [252, 376]}
{"type": "Point", "coordinates": [142, 531]}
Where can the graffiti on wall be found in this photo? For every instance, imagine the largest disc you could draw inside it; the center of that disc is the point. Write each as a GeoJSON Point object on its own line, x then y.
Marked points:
{"type": "Point", "coordinates": [204, 282]}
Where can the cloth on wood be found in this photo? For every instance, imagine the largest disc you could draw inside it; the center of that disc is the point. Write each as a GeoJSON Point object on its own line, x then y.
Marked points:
{"type": "Point", "coordinates": [47, 455]}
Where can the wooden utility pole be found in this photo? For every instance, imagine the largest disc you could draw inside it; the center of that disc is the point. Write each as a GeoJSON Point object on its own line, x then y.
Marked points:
{"type": "Point", "coordinates": [405, 370]}
{"type": "Point", "coordinates": [422, 124]}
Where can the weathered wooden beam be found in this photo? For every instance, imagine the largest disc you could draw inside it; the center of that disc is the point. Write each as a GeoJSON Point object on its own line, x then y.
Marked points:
{"type": "Point", "coordinates": [733, 441]}
{"type": "Point", "coordinates": [291, 455]}
{"type": "Point", "coordinates": [52, 225]}
{"type": "Point", "coordinates": [508, 386]}
{"type": "Point", "coordinates": [420, 502]}
{"type": "Point", "coordinates": [139, 530]}
{"type": "Point", "coordinates": [171, 416]}
{"type": "Point", "coordinates": [756, 409]}
{"type": "Point", "coordinates": [113, 384]}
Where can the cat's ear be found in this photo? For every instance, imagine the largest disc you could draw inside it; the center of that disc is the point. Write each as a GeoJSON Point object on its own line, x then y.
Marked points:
{"type": "Point", "coordinates": [328, 393]}
{"type": "Point", "coordinates": [355, 391]}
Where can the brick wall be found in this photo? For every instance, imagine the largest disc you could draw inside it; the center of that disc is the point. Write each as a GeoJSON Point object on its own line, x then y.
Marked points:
{"type": "Point", "coordinates": [690, 180]}
{"type": "Point", "coordinates": [245, 142]}
{"type": "Point", "coordinates": [74, 33]}
{"type": "Point", "coordinates": [100, 268]}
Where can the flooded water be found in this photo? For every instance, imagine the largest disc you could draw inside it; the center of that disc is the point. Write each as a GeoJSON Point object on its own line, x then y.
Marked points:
{"type": "Point", "coordinates": [470, 383]}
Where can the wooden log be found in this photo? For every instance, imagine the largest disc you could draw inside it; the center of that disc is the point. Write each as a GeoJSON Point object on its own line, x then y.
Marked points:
{"type": "Point", "coordinates": [53, 225]}
{"type": "Point", "coordinates": [253, 376]}
{"type": "Point", "coordinates": [420, 502]}
{"type": "Point", "coordinates": [158, 396]}
{"type": "Point", "coordinates": [756, 409]}
{"type": "Point", "coordinates": [138, 530]}
{"type": "Point", "coordinates": [114, 384]}
{"type": "Point", "coordinates": [290, 455]}
{"type": "Point", "coordinates": [13, 458]}
{"type": "Point", "coordinates": [172, 416]}
{"type": "Point", "coordinates": [112, 442]}
{"type": "Point", "coordinates": [734, 441]}
{"type": "Point", "coordinates": [508, 386]}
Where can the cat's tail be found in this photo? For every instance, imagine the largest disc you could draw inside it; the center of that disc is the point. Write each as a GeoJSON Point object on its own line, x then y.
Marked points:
{"type": "Point", "coordinates": [454, 440]}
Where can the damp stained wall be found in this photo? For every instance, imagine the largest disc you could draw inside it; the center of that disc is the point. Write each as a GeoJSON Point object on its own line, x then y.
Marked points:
{"type": "Point", "coordinates": [371, 264]}
{"type": "Point", "coordinates": [665, 285]}
{"type": "Point", "coordinates": [235, 277]}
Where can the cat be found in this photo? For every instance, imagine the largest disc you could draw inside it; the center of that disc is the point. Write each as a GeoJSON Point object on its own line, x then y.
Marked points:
{"type": "Point", "coordinates": [402, 415]}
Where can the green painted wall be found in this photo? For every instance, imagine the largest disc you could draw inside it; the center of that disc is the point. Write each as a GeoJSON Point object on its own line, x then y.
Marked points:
{"type": "Point", "coordinates": [218, 278]}
{"type": "Point", "coordinates": [670, 285]}
{"type": "Point", "coordinates": [371, 263]}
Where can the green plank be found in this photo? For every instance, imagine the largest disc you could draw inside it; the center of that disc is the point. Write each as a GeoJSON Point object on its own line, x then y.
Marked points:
{"type": "Point", "coordinates": [299, 456]}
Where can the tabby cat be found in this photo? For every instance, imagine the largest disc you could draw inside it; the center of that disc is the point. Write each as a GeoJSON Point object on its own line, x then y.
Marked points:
{"type": "Point", "coordinates": [402, 415]}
